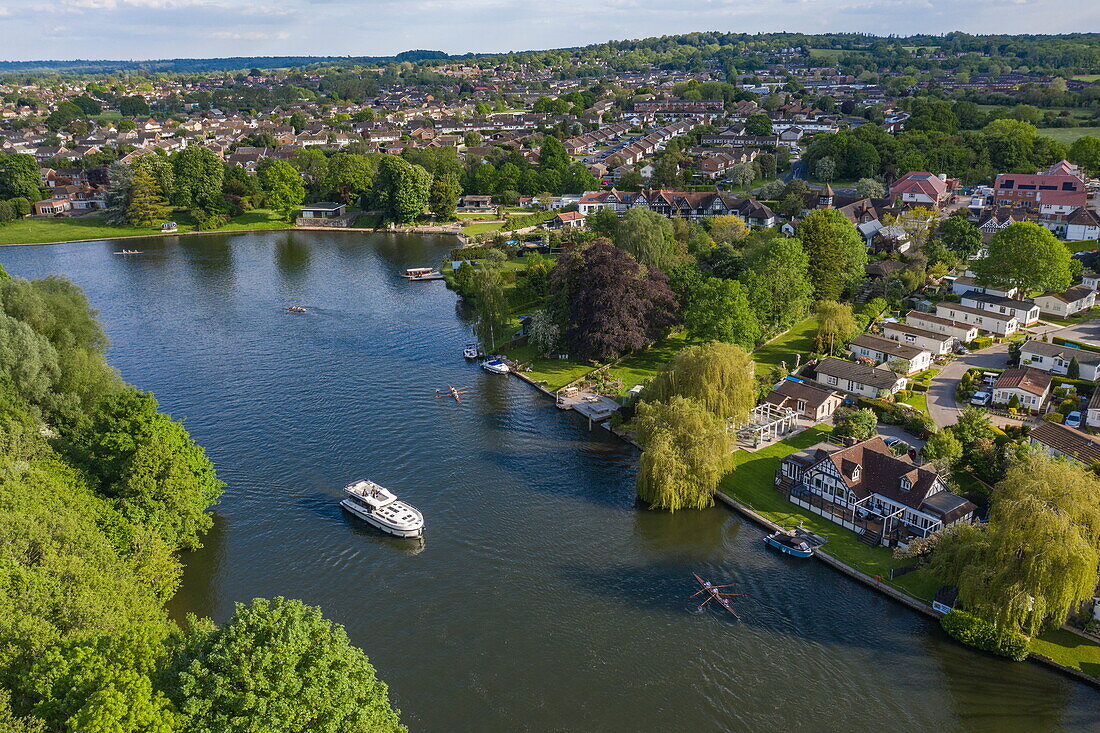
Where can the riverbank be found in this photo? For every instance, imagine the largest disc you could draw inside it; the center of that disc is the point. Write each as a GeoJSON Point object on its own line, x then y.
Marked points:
{"type": "Point", "coordinates": [76, 230]}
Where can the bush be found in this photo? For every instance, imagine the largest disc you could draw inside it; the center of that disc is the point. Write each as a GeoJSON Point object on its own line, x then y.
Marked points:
{"type": "Point", "coordinates": [981, 342]}
{"type": "Point", "coordinates": [975, 632]}
{"type": "Point", "coordinates": [859, 424]}
{"type": "Point", "coordinates": [919, 424]}
{"type": "Point", "coordinates": [1054, 417]}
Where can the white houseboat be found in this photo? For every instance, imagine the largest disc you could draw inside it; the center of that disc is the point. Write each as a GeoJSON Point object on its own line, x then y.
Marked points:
{"type": "Point", "coordinates": [377, 505]}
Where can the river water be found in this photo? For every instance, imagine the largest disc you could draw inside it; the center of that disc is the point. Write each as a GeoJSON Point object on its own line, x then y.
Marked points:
{"type": "Point", "coordinates": [542, 598]}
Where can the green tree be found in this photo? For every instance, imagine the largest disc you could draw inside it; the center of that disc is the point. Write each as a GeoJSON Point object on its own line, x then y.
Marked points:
{"type": "Point", "coordinates": [943, 446]}
{"type": "Point", "coordinates": [684, 446]}
{"type": "Point", "coordinates": [1027, 256]}
{"type": "Point", "coordinates": [973, 426]}
{"type": "Point", "coordinates": [134, 106]}
{"type": "Point", "coordinates": [648, 236]}
{"type": "Point", "coordinates": [19, 176]}
{"type": "Point", "coordinates": [282, 186]}
{"type": "Point", "coordinates": [443, 201]}
{"type": "Point", "coordinates": [552, 155]}
{"type": "Point", "coordinates": [835, 324]}
{"type": "Point", "coordinates": [149, 467]}
{"type": "Point", "coordinates": [960, 236]}
{"type": "Point", "coordinates": [1085, 152]}
{"type": "Point", "coordinates": [1037, 560]}
{"type": "Point", "coordinates": [717, 375]}
{"type": "Point", "coordinates": [727, 229]}
{"type": "Point", "coordinates": [758, 124]}
{"type": "Point", "coordinates": [147, 206]}
{"type": "Point", "coordinates": [281, 667]}
{"type": "Point", "coordinates": [860, 424]}
{"type": "Point", "coordinates": [836, 252]}
{"type": "Point", "coordinates": [777, 277]}
{"type": "Point", "coordinates": [719, 310]}
{"type": "Point", "coordinates": [490, 306]}
{"type": "Point", "coordinates": [870, 188]}
{"type": "Point", "coordinates": [402, 189]}
{"type": "Point", "coordinates": [198, 179]}
{"type": "Point", "coordinates": [348, 177]}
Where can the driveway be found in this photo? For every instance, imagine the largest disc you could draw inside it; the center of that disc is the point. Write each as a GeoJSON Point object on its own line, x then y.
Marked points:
{"type": "Point", "coordinates": [941, 391]}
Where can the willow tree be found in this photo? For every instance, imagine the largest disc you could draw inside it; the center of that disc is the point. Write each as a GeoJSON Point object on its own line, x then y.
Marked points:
{"type": "Point", "coordinates": [717, 375]}
{"type": "Point", "coordinates": [835, 322]}
{"type": "Point", "coordinates": [1037, 559]}
{"type": "Point", "coordinates": [682, 463]}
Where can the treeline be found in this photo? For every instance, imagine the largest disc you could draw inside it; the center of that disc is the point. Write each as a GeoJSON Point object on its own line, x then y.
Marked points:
{"type": "Point", "coordinates": [935, 143]}
{"type": "Point", "coordinates": [98, 492]}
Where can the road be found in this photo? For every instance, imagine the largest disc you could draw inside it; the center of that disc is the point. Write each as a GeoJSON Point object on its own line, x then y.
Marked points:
{"type": "Point", "coordinates": [941, 392]}
{"type": "Point", "coordinates": [798, 170]}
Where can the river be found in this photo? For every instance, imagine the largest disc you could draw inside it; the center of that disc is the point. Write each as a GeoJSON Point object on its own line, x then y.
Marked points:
{"type": "Point", "coordinates": [542, 598]}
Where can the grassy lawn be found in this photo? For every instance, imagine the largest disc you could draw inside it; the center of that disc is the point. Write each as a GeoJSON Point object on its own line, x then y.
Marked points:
{"type": "Point", "coordinates": [800, 339]}
{"type": "Point", "coordinates": [556, 373]}
{"type": "Point", "coordinates": [1069, 649]}
{"type": "Point", "coordinates": [367, 221]}
{"type": "Point", "coordinates": [831, 55]}
{"type": "Point", "coordinates": [918, 400]}
{"type": "Point", "coordinates": [482, 228]}
{"type": "Point", "coordinates": [1081, 245]}
{"type": "Point", "coordinates": [1086, 315]}
{"type": "Point", "coordinates": [751, 483]}
{"type": "Point", "coordinates": [1069, 134]}
{"type": "Point", "coordinates": [42, 231]}
{"type": "Point", "coordinates": [637, 368]}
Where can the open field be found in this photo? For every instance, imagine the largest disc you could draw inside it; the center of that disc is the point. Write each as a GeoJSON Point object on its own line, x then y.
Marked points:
{"type": "Point", "coordinates": [1068, 649]}
{"type": "Point", "coordinates": [1069, 134]}
{"type": "Point", "coordinates": [800, 339]}
{"type": "Point", "coordinates": [44, 231]}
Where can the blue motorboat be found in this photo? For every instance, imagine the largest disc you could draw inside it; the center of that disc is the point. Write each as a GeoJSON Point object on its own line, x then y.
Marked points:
{"type": "Point", "coordinates": [790, 543]}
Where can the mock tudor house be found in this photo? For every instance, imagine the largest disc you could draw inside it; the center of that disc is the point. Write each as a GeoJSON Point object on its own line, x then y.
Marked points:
{"type": "Point", "coordinates": [1056, 358]}
{"type": "Point", "coordinates": [899, 357]}
{"type": "Point", "coordinates": [867, 489]}
{"type": "Point", "coordinates": [810, 401]}
{"type": "Point", "coordinates": [922, 189]}
{"type": "Point", "coordinates": [1026, 313]}
{"type": "Point", "coordinates": [861, 379]}
{"type": "Point", "coordinates": [1062, 441]}
{"type": "Point", "coordinates": [937, 344]}
{"type": "Point", "coordinates": [964, 332]}
{"type": "Point", "coordinates": [1030, 386]}
{"type": "Point", "coordinates": [998, 323]}
{"type": "Point", "coordinates": [1064, 305]}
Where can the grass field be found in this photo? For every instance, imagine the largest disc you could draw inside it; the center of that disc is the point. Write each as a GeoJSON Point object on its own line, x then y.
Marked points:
{"type": "Point", "coordinates": [1087, 77]}
{"type": "Point", "coordinates": [918, 400]}
{"type": "Point", "coordinates": [1069, 134]}
{"type": "Point", "coordinates": [800, 339]}
{"type": "Point", "coordinates": [482, 228]}
{"type": "Point", "coordinates": [831, 55]}
{"type": "Point", "coordinates": [555, 373]}
{"type": "Point", "coordinates": [1069, 649]}
{"type": "Point", "coordinates": [44, 231]}
{"type": "Point", "coordinates": [1081, 245]}
{"type": "Point", "coordinates": [750, 482]}
{"type": "Point", "coordinates": [637, 368]}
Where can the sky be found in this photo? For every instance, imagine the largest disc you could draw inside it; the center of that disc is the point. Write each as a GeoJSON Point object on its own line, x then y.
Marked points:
{"type": "Point", "coordinates": [156, 29]}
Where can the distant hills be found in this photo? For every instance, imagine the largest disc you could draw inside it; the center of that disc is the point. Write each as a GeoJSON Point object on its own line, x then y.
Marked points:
{"type": "Point", "coordinates": [232, 63]}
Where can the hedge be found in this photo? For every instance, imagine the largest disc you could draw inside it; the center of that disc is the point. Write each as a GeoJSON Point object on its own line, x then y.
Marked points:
{"type": "Point", "coordinates": [1075, 344]}
{"type": "Point", "coordinates": [975, 632]}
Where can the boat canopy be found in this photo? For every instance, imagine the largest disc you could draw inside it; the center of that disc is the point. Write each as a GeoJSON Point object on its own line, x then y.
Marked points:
{"type": "Point", "coordinates": [370, 492]}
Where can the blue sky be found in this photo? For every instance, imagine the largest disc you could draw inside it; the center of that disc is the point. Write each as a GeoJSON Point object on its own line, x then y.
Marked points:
{"type": "Point", "coordinates": [143, 29]}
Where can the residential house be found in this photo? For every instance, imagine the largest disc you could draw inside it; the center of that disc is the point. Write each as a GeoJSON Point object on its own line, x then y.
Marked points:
{"type": "Point", "coordinates": [964, 332]}
{"type": "Point", "coordinates": [1058, 190]}
{"type": "Point", "coordinates": [861, 379]}
{"type": "Point", "coordinates": [52, 206]}
{"type": "Point", "coordinates": [567, 220]}
{"type": "Point", "coordinates": [900, 357]}
{"type": "Point", "coordinates": [869, 490]}
{"type": "Point", "coordinates": [937, 344]}
{"type": "Point", "coordinates": [1030, 386]}
{"type": "Point", "coordinates": [1056, 358]}
{"type": "Point", "coordinates": [1084, 223]}
{"type": "Point", "coordinates": [1065, 304]}
{"type": "Point", "coordinates": [1092, 416]}
{"type": "Point", "coordinates": [809, 400]}
{"type": "Point", "coordinates": [963, 284]}
{"type": "Point", "coordinates": [922, 189]}
{"type": "Point", "coordinates": [1026, 313]}
{"type": "Point", "coordinates": [1062, 441]}
{"type": "Point", "coordinates": [996, 323]}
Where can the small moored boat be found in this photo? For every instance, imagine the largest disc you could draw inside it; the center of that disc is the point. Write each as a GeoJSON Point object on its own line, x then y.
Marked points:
{"type": "Point", "coordinates": [790, 543]}
{"type": "Point", "coordinates": [129, 252]}
{"type": "Point", "coordinates": [495, 365]}
{"type": "Point", "coordinates": [379, 506]}
{"type": "Point", "coordinates": [472, 351]}
{"type": "Point", "coordinates": [422, 273]}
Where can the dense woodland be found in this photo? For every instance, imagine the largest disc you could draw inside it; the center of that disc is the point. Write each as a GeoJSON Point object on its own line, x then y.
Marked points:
{"type": "Point", "coordinates": [98, 492]}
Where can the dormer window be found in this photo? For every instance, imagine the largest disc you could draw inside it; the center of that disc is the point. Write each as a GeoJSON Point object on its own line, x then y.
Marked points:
{"type": "Point", "coordinates": [906, 484]}
{"type": "Point", "coordinates": [856, 472]}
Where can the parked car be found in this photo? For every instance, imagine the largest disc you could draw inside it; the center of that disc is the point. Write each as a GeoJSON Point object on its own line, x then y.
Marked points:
{"type": "Point", "coordinates": [1073, 419]}
{"type": "Point", "coordinates": [981, 399]}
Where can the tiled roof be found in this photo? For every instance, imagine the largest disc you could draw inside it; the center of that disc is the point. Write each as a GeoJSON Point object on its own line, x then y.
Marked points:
{"type": "Point", "coordinates": [1027, 379]}
{"type": "Point", "coordinates": [1068, 441]}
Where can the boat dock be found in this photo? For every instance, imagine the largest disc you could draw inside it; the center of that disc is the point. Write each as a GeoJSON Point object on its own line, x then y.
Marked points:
{"type": "Point", "coordinates": [596, 407]}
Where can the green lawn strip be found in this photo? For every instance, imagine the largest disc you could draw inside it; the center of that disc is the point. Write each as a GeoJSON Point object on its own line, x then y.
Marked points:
{"type": "Point", "coordinates": [751, 482]}
{"type": "Point", "coordinates": [1081, 245]}
{"type": "Point", "coordinates": [482, 228]}
{"type": "Point", "coordinates": [367, 221]}
{"type": "Point", "coordinates": [43, 231]}
{"type": "Point", "coordinates": [1069, 134]}
{"type": "Point", "coordinates": [919, 400]}
{"type": "Point", "coordinates": [1069, 650]}
{"type": "Point", "coordinates": [636, 368]}
{"type": "Point", "coordinates": [555, 373]}
{"type": "Point", "coordinates": [1073, 320]}
{"type": "Point", "coordinates": [800, 339]}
